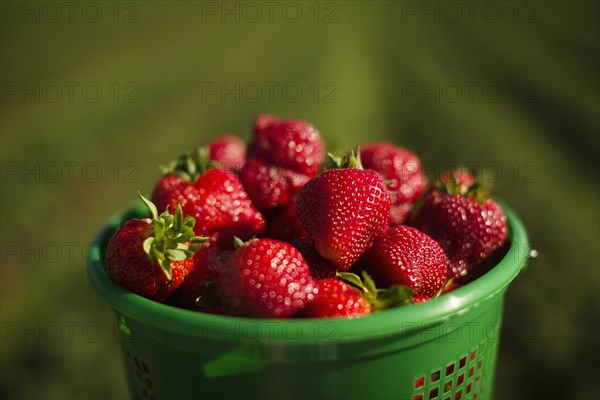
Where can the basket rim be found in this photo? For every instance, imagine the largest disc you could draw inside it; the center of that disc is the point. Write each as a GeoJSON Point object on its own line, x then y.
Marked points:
{"type": "Point", "coordinates": [385, 323]}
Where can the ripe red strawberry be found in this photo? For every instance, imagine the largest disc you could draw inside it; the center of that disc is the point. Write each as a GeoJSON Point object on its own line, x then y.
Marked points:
{"type": "Point", "coordinates": [152, 257]}
{"type": "Point", "coordinates": [174, 189]}
{"type": "Point", "coordinates": [402, 169]}
{"type": "Point", "coordinates": [283, 156]}
{"type": "Point", "coordinates": [269, 186]}
{"type": "Point", "coordinates": [224, 209]}
{"type": "Point", "coordinates": [215, 198]}
{"type": "Point", "coordinates": [336, 299]}
{"type": "Point", "coordinates": [343, 210]}
{"type": "Point", "coordinates": [290, 144]}
{"type": "Point", "coordinates": [206, 265]}
{"type": "Point", "coordinates": [265, 278]}
{"type": "Point", "coordinates": [406, 256]}
{"type": "Point", "coordinates": [285, 225]}
{"type": "Point", "coordinates": [320, 268]}
{"type": "Point", "coordinates": [353, 297]}
{"type": "Point", "coordinates": [228, 150]}
{"type": "Point", "coordinates": [468, 226]}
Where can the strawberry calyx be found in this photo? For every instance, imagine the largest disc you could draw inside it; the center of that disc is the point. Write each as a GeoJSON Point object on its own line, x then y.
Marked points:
{"type": "Point", "coordinates": [478, 190]}
{"type": "Point", "coordinates": [237, 242]}
{"type": "Point", "coordinates": [191, 165]}
{"type": "Point", "coordinates": [172, 239]}
{"type": "Point", "coordinates": [380, 299]}
{"type": "Point", "coordinates": [349, 160]}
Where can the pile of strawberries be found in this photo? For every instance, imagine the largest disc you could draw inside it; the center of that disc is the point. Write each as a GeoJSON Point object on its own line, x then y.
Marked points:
{"type": "Point", "coordinates": [271, 230]}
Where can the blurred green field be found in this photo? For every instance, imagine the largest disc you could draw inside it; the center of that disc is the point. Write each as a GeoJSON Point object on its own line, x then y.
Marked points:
{"type": "Point", "coordinates": [93, 102]}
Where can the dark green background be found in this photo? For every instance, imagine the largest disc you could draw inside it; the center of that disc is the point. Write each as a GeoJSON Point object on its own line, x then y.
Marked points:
{"type": "Point", "coordinates": [539, 134]}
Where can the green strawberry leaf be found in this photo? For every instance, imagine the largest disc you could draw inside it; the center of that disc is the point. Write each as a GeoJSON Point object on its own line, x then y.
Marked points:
{"type": "Point", "coordinates": [350, 278]}
{"type": "Point", "coordinates": [173, 237]}
{"type": "Point", "coordinates": [191, 165]}
{"type": "Point", "coordinates": [177, 255]}
{"type": "Point", "coordinates": [336, 161]}
{"type": "Point", "coordinates": [394, 296]}
{"type": "Point", "coordinates": [380, 299]}
{"type": "Point", "coordinates": [369, 283]}
{"type": "Point", "coordinates": [350, 160]}
{"type": "Point", "coordinates": [237, 242]}
{"type": "Point", "coordinates": [148, 244]}
{"type": "Point", "coordinates": [165, 265]}
{"type": "Point", "coordinates": [150, 205]}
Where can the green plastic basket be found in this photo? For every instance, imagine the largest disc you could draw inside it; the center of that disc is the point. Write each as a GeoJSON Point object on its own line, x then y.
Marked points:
{"type": "Point", "coordinates": [442, 349]}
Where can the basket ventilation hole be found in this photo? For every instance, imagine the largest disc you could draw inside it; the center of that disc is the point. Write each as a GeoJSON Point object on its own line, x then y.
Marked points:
{"type": "Point", "coordinates": [448, 386]}
{"type": "Point", "coordinates": [433, 393]}
{"type": "Point", "coordinates": [141, 371]}
{"type": "Point", "coordinates": [419, 382]}
{"type": "Point", "coordinates": [461, 378]}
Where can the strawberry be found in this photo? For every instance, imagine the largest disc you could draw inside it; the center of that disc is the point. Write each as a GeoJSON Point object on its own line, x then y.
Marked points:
{"type": "Point", "coordinates": [265, 278]}
{"type": "Point", "coordinates": [224, 209]}
{"type": "Point", "coordinates": [174, 190]}
{"type": "Point", "coordinates": [152, 257]}
{"type": "Point", "coordinates": [206, 265]}
{"type": "Point", "coordinates": [353, 297]}
{"type": "Point", "coordinates": [285, 225]}
{"type": "Point", "coordinates": [269, 186]}
{"type": "Point", "coordinates": [343, 210]}
{"type": "Point", "coordinates": [402, 169]}
{"type": "Point", "coordinates": [214, 197]}
{"type": "Point", "coordinates": [406, 256]}
{"type": "Point", "coordinates": [290, 144]}
{"type": "Point", "coordinates": [336, 298]}
{"type": "Point", "coordinates": [320, 268]}
{"type": "Point", "coordinates": [227, 150]}
{"type": "Point", "coordinates": [283, 156]}
{"type": "Point", "coordinates": [468, 225]}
